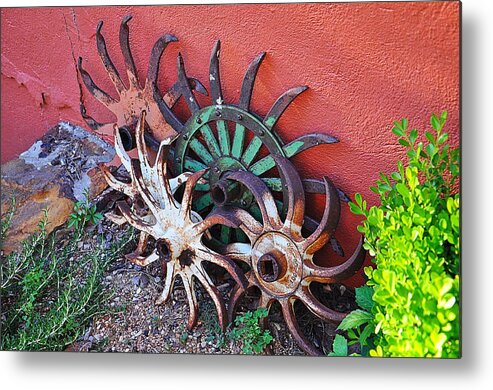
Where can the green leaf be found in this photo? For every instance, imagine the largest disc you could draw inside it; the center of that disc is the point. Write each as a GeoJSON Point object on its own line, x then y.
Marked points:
{"type": "Point", "coordinates": [354, 319]}
{"type": "Point", "coordinates": [402, 189]}
{"type": "Point", "coordinates": [358, 198]}
{"type": "Point", "coordinates": [435, 122]}
{"type": "Point", "coordinates": [404, 143]}
{"type": "Point", "coordinates": [364, 297]}
{"type": "Point", "coordinates": [367, 331]}
{"type": "Point", "coordinates": [413, 135]}
{"type": "Point", "coordinates": [443, 137]}
{"type": "Point", "coordinates": [340, 347]}
{"type": "Point", "coordinates": [355, 209]}
{"type": "Point", "coordinates": [398, 132]}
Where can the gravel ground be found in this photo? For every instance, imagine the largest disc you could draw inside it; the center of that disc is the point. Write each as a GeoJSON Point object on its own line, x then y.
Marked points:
{"type": "Point", "coordinates": [135, 324]}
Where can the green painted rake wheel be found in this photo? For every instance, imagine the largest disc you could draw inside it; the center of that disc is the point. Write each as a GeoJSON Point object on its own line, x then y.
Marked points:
{"type": "Point", "coordinates": [227, 138]}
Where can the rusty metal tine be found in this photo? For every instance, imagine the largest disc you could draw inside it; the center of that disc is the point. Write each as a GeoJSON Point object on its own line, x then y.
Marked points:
{"type": "Point", "coordinates": [317, 308]}
{"type": "Point", "coordinates": [214, 76]}
{"type": "Point", "coordinates": [249, 81]}
{"type": "Point", "coordinates": [234, 299]}
{"type": "Point", "coordinates": [90, 121]}
{"type": "Point", "coordinates": [329, 220]}
{"type": "Point", "coordinates": [265, 200]}
{"type": "Point", "coordinates": [168, 283]}
{"type": "Point", "coordinates": [281, 104]}
{"type": "Point", "coordinates": [140, 141]}
{"type": "Point", "coordinates": [127, 53]}
{"type": "Point", "coordinates": [186, 89]}
{"type": "Point", "coordinates": [186, 204]}
{"type": "Point", "coordinates": [300, 338]}
{"type": "Point", "coordinates": [120, 150]}
{"type": "Point", "coordinates": [214, 294]}
{"type": "Point", "coordinates": [295, 192]}
{"type": "Point", "coordinates": [338, 272]}
{"type": "Point", "coordinates": [192, 300]}
{"type": "Point", "coordinates": [132, 218]}
{"type": "Point", "coordinates": [225, 263]}
{"type": "Point", "coordinates": [156, 54]}
{"type": "Point", "coordinates": [95, 91]}
{"type": "Point", "coordinates": [106, 60]}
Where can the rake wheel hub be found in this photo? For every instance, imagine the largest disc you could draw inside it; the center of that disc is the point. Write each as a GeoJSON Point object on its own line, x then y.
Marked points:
{"type": "Point", "coordinates": [277, 264]}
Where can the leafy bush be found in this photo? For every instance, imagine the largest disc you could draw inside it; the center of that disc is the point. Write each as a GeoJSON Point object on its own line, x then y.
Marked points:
{"type": "Point", "coordinates": [249, 334]}
{"type": "Point", "coordinates": [50, 292]}
{"type": "Point", "coordinates": [414, 237]}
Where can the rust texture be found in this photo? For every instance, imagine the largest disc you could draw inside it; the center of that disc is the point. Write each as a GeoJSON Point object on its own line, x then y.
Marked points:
{"type": "Point", "coordinates": [280, 258]}
{"type": "Point", "coordinates": [220, 190]}
{"type": "Point", "coordinates": [135, 98]}
{"type": "Point", "coordinates": [175, 228]}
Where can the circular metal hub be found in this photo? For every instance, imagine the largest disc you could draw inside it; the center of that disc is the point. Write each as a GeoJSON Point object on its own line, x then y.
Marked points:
{"type": "Point", "coordinates": [277, 264]}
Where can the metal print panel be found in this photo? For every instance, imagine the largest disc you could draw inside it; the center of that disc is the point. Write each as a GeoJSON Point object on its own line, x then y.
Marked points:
{"type": "Point", "coordinates": [266, 179]}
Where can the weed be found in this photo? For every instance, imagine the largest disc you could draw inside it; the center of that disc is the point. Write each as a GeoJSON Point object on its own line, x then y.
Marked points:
{"type": "Point", "coordinates": [84, 213]}
{"type": "Point", "coordinates": [49, 293]}
{"type": "Point", "coordinates": [248, 332]}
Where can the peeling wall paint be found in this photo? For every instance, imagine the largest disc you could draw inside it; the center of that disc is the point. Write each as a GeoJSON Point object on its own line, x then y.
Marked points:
{"type": "Point", "coordinates": [367, 64]}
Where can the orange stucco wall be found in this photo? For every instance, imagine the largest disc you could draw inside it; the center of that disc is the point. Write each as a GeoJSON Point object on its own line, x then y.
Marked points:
{"type": "Point", "coordinates": [367, 64]}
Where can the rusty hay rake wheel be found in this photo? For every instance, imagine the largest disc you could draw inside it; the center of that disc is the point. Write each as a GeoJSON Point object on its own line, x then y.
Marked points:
{"type": "Point", "coordinates": [280, 259]}
{"type": "Point", "coordinates": [175, 228]}
{"type": "Point", "coordinates": [221, 189]}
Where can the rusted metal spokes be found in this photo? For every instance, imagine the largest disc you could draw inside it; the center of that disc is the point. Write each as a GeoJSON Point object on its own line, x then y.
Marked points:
{"type": "Point", "coordinates": [227, 137]}
{"type": "Point", "coordinates": [135, 98]}
{"type": "Point", "coordinates": [178, 231]}
{"type": "Point", "coordinates": [280, 258]}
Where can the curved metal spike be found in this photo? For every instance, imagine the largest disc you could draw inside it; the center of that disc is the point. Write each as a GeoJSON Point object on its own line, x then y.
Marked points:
{"type": "Point", "coordinates": [133, 219]}
{"type": "Point", "coordinates": [90, 121]}
{"type": "Point", "coordinates": [307, 141]}
{"type": "Point", "coordinates": [141, 247]}
{"type": "Point", "coordinates": [186, 203]}
{"type": "Point", "coordinates": [214, 76]}
{"type": "Point", "coordinates": [192, 300]}
{"type": "Point", "coordinates": [224, 262]}
{"type": "Point", "coordinates": [315, 186]}
{"type": "Point", "coordinates": [127, 53]}
{"type": "Point", "coordinates": [264, 198]}
{"type": "Point", "coordinates": [174, 93]}
{"type": "Point", "coordinates": [156, 54]}
{"type": "Point", "coordinates": [95, 91]}
{"type": "Point", "coordinates": [214, 294]}
{"type": "Point", "coordinates": [140, 141]}
{"type": "Point", "coordinates": [106, 60]}
{"type": "Point", "coordinates": [281, 104]}
{"type": "Point", "coordinates": [115, 183]}
{"type": "Point", "coordinates": [290, 318]}
{"type": "Point", "coordinates": [318, 308]}
{"type": "Point", "coordinates": [294, 193]}
{"type": "Point", "coordinates": [249, 81]}
{"type": "Point", "coordinates": [339, 272]}
{"type": "Point", "coordinates": [186, 88]}
{"type": "Point", "coordinates": [234, 299]}
{"type": "Point", "coordinates": [168, 283]}
{"type": "Point", "coordinates": [329, 220]}
{"type": "Point", "coordinates": [161, 169]}
{"type": "Point", "coordinates": [238, 251]}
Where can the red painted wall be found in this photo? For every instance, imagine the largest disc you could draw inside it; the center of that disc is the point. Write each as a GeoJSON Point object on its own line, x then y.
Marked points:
{"type": "Point", "coordinates": [367, 64]}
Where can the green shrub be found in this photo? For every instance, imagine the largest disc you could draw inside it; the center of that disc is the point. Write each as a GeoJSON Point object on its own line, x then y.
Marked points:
{"type": "Point", "coordinates": [414, 237]}
{"type": "Point", "coordinates": [49, 293]}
